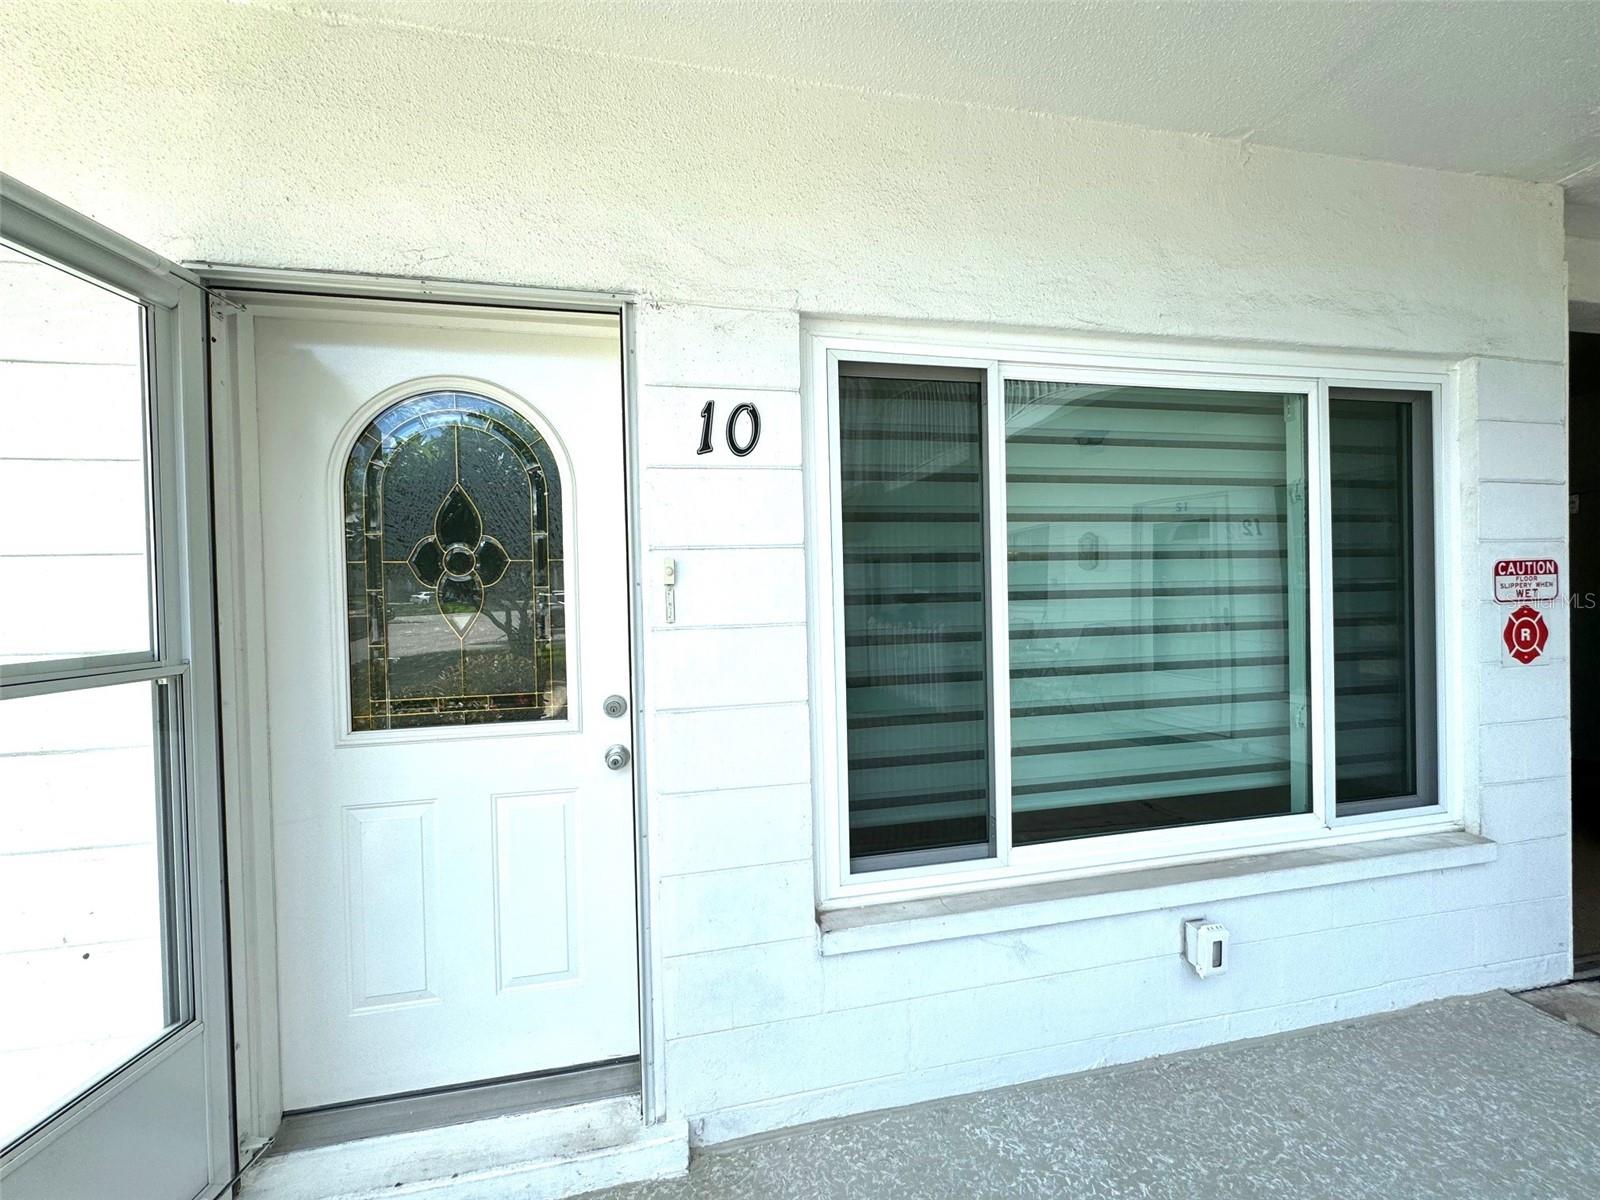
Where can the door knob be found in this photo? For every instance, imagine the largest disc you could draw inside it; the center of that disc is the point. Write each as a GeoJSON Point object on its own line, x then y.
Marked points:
{"type": "Point", "coordinates": [618, 757]}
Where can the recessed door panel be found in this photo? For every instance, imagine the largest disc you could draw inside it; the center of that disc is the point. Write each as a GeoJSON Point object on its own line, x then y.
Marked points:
{"type": "Point", "coordinates": [535, 880]}
{"type": "Point", "coordinates": [389, 860]}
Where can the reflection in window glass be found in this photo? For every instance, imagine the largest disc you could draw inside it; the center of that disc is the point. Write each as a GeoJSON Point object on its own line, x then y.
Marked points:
{"type": "Point", "coordinates": [84, 957]}
{"type": "Point", "coordinates": [454, 567]}
{"type": "Point", "coordinates": [911, 468]}
{"type": "Point", "coordinates": [1158, 608]}
{"type": "Point", "coordinates": [74, 550]}
{"type": "Point", "coordinates": [1374, 602]}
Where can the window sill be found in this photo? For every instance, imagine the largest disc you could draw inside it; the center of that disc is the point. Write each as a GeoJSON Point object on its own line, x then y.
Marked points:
{"type": "Point", "coordinates": [1059, 902]}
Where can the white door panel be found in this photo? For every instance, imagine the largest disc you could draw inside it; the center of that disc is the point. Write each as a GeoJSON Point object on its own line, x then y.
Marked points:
{"type": "Point", "coordinates": [454, 902]}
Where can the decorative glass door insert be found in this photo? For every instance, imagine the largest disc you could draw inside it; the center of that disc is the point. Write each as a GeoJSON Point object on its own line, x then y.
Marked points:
{"type": "Point", "coordinates": [454, 580]}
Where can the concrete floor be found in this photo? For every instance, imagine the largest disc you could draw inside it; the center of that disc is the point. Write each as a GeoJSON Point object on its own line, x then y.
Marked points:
{"type": "Point", "coordinates": [1485, 1098]}
{"type": "Point", "coordinates": [1576, 1003]}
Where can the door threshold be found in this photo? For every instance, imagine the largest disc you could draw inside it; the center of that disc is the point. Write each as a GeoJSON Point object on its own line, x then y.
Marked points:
{"type": "Point", "coordinates": [437, 1108]}
{"type": "Point", "coordinates": [544, 1154]}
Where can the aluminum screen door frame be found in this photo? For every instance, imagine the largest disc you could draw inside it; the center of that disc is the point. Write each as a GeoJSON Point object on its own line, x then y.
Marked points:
{"type": "Point", "coordinates": [161, 1125]}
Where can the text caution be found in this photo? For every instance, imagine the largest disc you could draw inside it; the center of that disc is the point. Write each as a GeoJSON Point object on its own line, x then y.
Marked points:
{"type": "Point", "coordinates": [1519, 580]}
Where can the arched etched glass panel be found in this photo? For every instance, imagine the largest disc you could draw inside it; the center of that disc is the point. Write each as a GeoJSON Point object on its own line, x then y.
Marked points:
{"type": "Point", "coordinates": [453, 554]}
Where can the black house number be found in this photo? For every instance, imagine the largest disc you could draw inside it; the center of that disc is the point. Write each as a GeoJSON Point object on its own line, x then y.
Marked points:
{"type": "Point", "coordinates": [742, 431]}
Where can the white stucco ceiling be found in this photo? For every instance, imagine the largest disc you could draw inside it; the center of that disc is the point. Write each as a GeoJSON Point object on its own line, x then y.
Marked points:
{"type": "Point", "coordinates": [1493, 88]}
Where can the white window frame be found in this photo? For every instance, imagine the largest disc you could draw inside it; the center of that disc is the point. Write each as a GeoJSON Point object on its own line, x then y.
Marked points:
{"type": "Point", "coordinates": [1311, 374]}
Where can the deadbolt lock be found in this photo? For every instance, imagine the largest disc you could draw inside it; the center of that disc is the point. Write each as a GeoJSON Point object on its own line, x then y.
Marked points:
{"type": "Point", "coordinates": [615, 706]}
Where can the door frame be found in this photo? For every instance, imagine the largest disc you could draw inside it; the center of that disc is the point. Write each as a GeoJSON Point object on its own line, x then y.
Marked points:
{"type": "Point", "coordinates": [241, 616]}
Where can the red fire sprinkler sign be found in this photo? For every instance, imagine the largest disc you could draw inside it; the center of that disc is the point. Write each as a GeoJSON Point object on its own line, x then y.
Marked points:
{"type": "Point", "coordinates": [1526, 634]}
{"type": "Point", "coordinates": [1521, 580]}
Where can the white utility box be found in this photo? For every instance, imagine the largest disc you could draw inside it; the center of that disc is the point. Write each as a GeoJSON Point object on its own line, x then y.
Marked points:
{"type": "Point", "coordinates": [1205, 945]}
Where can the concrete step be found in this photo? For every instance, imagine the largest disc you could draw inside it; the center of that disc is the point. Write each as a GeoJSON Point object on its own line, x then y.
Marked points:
{"type": "Point", "coordinates": [543, 1155]}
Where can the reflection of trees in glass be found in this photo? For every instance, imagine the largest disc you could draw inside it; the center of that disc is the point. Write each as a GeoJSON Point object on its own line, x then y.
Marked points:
{"type": "Point", "coordinates": [453, 544]}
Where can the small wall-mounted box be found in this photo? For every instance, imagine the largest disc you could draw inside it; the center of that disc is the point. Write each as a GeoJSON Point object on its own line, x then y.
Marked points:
{"type": "Point", "coordinates": [1205, 945]}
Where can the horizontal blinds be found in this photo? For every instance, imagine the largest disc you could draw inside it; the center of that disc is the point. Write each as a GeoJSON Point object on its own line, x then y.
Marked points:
{"type": "Point", "coordinates": [1375, 687]}
{"type": "Point", "coordinates": [1156, 607]}
{"type": "Point", "coordinates": [911, 472]}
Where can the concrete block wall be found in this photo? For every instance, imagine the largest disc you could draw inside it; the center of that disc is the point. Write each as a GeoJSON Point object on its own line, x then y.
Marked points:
{"type": "Point", "coordinates": [763, 1030]}
{"type": "Point", "coordinates": [1516, 412]}
{"type": "Point", "coordinates": [729, 758]}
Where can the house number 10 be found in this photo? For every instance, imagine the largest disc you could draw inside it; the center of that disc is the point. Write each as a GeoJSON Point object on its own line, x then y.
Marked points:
{"type": "Point", "coordinates": [751, 428]}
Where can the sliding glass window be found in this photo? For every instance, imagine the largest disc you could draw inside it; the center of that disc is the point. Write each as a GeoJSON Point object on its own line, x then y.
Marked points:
{"type": "Point", "coordinates": [1191, 582]}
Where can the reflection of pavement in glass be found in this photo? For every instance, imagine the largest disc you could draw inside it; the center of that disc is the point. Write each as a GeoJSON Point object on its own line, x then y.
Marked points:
{"type": "Point", "coordinates": [427, 634]}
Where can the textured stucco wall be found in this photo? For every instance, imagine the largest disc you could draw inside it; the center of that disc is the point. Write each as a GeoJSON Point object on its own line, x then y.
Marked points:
{"type": "Point", "coordinates": [271, 136]}
{"type": "Point", "coordinates": [734, 204]}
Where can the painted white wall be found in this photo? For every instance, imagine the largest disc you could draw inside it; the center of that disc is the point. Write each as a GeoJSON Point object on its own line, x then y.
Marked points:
{"type": "Point", "coordinates": [275, 137]}
{"type": "Point", "coordinates": [734, 204]}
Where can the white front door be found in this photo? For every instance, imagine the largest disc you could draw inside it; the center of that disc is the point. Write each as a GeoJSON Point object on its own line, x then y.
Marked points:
{"type": "Point", "coordinates": [445, 566]}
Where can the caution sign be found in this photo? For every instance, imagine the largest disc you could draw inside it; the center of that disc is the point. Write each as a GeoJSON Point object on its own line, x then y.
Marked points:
{"type": "Point", "coordinates": [1526, 634]}
{"type": "Point", "coordinates": [1526, 580]}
